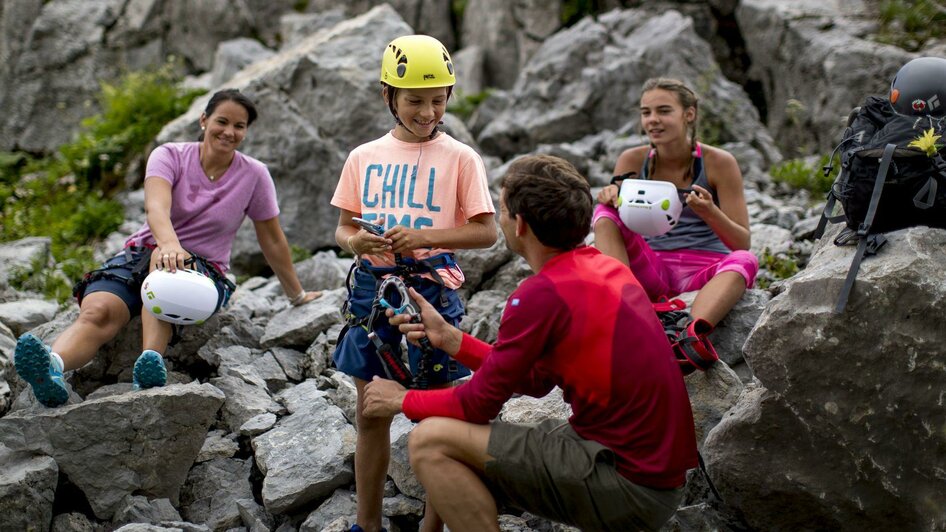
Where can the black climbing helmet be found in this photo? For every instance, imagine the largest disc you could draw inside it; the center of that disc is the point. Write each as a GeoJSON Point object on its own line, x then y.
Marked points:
{"type": "Point", "coordinates": [919, 88]}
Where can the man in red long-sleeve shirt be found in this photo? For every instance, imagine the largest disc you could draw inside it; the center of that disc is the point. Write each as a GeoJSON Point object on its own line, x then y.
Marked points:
{"type": "Point", "coordinates": [582, 323]}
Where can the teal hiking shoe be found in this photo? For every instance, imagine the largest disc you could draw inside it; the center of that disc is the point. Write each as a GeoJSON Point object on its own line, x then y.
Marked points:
{"type": "Point", "coordinates": [149, 370]}
{"type": "Point", "coordinates": [44, 375]}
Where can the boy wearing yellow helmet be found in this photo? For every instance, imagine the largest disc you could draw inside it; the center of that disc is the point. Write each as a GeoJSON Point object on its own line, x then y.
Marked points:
{"type": "Point", "coordinates": [430, 194]}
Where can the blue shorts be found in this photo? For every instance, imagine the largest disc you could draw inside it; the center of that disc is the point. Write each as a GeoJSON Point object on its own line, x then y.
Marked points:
{"type": "Point", "coordinates": [355, 355]}
{"type": "Point", "coordinates": [122, 282]}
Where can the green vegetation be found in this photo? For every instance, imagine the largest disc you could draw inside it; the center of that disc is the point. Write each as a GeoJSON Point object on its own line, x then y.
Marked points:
{"type": "Point", "coordinates": [463, 105]}
{"type": "Point", "coordinates": [909, 24]}
{"type": "Point", "coordinates": [798, 173]}
{"type": "Point", "coordinates": [299, 253]}
{"type": "Point", "coordinates": [778, 266]}
{"type": "Point", "coordinates": [68, 195]}
{"type": "Point", "coordinates": [300, 5]}
{"type": "Point", "coordinates": [575, 10]}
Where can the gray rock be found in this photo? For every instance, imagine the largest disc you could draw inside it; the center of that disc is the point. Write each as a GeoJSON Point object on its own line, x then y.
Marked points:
{"type": "Point", "coordinates": [296, 27]}
{"type": "Point", "coordinates": [470, 64]}
{"type": "Point", "coordinates": [212, 490]}
{"type": "Point", "coordinates": [291, 362]}
{"type": "Point", "coordinates": [399, 469]}
{"type": "Point", "coordinates": [814, 65]}
{"type": "Point", "coordinates": [341, 504]}
{"type": "Point", "coordinates": [343, 394]}
{"type": "Point", "coordinates": [258, 424]}
{"type": "Point", "coordinates": [479, 264]}
{"type": "Point", "coordinates": [318, 356]}
{"type": "Point", "coordinates": [531, 410]}
{"type": "Point", "coordinates": [483, 314]}
{"type": "Point", "coordinates": [27, 489]}
{"type": "Point", "coordinates": [233, 55]}
{"type": "Point", "coordinates": [244, 401]}
{"type": "Point", "coordinates": [25, 314]}
{"type": "Point", "coordinates": [138, 509]}
{"type": "Point", "coordinates": [299, 398]}
{"type": "Point", "coordinates": [305, 457]}
{"type": "Point", "coordinates": [773, 238]}
{"type": "Point", "coordinates": [712, 393]}
{"type": "Point", "coordinates": [843, 396]}
{"type": "Point", "coordinates": [218, 444]}
{"type": "Point", "coordinates": [254, 516]}
{"type": "Point", "coordinates": [22, 253]}
{"type": "Point", "coordinates": [299, 326]}
{"type": "Point", "coordinates": [402, 505]}
{"type": "Point", "coordinates": [323, 271]}
{"type": "Point", "coordinates": [508, 33]}
{"type": "Point", "coordinates": [588, 77]}
{"type": "Point", "coordinates": [71, 522]}
{"type": "Point", "coordinates": [140, 443]}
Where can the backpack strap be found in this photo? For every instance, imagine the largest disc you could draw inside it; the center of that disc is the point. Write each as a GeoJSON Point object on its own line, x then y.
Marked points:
{"type": "Point", "coordinates": [869, 244]}
{"type": "Point", "coordinates": [929, 190]}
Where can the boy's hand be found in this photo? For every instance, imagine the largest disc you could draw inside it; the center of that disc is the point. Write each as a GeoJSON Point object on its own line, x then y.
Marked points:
{"type": "Point", "coordinates": [441, 334]}
{"type": "Point", "coordinates": [365, 243]}
{"type": "Point", "coordinates": [405, 239]}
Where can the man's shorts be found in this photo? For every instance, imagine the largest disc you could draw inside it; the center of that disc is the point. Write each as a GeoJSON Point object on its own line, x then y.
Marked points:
{"type": "Point", "coordinates": [355, 354]}
{"type": "Point", "coordinates": [121, 280]}
{"type": "Point", "coordinates": [550, 471]}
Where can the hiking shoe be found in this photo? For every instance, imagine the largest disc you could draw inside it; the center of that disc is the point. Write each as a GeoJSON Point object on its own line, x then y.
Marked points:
{"type": "Point", "coordinates": [35, 366]}
{"type": "Point", "coordinates": [149, 370]}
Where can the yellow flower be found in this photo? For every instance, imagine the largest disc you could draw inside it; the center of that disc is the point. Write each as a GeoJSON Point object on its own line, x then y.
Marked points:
{"type": "Point", "coordinates": [927, 143]}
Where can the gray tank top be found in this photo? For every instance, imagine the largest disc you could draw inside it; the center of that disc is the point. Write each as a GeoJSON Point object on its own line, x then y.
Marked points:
{"type": "Point", "coordinates": [691, 232]}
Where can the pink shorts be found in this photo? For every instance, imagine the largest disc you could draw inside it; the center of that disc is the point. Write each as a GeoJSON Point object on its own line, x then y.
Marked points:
{"type": "Point", "coordinates": [672, 272]}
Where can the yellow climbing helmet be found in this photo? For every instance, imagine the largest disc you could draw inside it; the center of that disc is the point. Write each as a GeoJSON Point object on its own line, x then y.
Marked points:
{"type": "Point", "coordinates": [417, 62]}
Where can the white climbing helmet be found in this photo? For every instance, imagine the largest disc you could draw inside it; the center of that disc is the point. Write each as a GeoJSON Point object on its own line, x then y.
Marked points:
{"type": "Point", "coordinates": [185, 297]}
{"type": "Point", "coordinates": [649, 208]}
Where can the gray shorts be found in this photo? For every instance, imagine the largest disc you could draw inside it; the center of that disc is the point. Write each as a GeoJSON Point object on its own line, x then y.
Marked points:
{"type": "Point", "coordinates": [548, 470]}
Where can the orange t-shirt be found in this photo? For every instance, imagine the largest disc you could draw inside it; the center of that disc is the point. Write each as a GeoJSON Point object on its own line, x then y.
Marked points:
{"type": "Point", "coordinates": [438, 184]}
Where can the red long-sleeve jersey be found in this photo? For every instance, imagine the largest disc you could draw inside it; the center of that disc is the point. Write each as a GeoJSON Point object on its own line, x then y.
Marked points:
{"type": "Point", "coordinates": [583, 323]}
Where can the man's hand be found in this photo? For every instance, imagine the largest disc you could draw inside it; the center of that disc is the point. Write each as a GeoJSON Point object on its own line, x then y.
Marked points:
{"type": "Point", "coordinates": [441, 334]}
{"type": "Point", "coordinates": [383, 398]}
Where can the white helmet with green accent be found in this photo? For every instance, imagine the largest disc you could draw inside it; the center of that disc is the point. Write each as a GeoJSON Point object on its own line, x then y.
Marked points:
{"type": "Point", "coordinates": [649, 208]}
{"type": "Point", "coordinates": [185, 297]}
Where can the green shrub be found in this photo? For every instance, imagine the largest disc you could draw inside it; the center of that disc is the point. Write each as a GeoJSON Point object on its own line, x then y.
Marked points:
{"type": "Point", "coordinates": [775, 267]}
{"type": "Point", "coordinates": [463, 105]}
{"type": "Point", "coordinates": [800, 174]}
{"type": "Point", "coordinates": [299, 253]}
{"type": "Point", "coordinates": [133, 111]}
{"type": "Point", "coordinates": [910, 24]}
{"type": "Point", "coordinates": [67, 195]}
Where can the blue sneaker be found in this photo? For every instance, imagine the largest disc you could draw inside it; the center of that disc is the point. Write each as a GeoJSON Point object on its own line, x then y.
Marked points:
{"type": "Point", "coordinates": [149, 370]}
{"type": "Point", "coordinates": [35, 366]}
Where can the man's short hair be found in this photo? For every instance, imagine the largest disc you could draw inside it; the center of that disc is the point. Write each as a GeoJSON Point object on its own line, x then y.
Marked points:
{"type": "Point", "coordinates": [552, 197]}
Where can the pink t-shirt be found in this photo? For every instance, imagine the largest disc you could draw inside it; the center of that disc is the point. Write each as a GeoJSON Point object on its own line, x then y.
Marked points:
{"type": "Point", "coordinates": [438, 184]}
{"type": "Point", "coordinates": [206, 214]}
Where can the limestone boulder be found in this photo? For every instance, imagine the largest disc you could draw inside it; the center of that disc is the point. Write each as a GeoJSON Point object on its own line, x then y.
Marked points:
{"type": "Point", "coordinates": [814, 61]}
{"type": "Point", "coordinates": [843, 395]}
{"type": "Point", "coordinates": [588, 77]}
{"type": "Point", "coordinates": [140, 443]}
{"type": "Point", "coordinates": [27, 490]}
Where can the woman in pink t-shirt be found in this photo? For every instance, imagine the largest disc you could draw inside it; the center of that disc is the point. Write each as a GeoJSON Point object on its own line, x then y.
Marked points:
{"type": "Point", "coordinates": [196, 197]}
{"type": "Point", "coordinates": [708, 248]}
{"type": "Point", "coordinates": [429, 192]}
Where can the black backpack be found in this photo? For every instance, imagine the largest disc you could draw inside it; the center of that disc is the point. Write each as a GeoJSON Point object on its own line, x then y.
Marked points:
{"type": "Point", "coordinates": [884, 184]}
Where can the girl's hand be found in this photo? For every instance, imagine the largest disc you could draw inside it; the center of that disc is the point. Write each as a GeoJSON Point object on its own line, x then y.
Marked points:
{"type": "Point", "coordinates": [365, 243]}
{"type": "Point", "coordinates": [169, 258]}
{"type": "Point", "coordinates": [405, 239]}
{"type": "Point", "coordinates": [701, 201]}
{"type": "Point", "coordinates": [609, 195]}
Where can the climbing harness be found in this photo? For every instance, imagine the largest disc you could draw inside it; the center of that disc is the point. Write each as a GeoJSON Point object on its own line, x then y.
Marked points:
{"type": "Point", "coordinates": [391, 293]}
{"type": "Point", "coordinates": [689, 338]}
